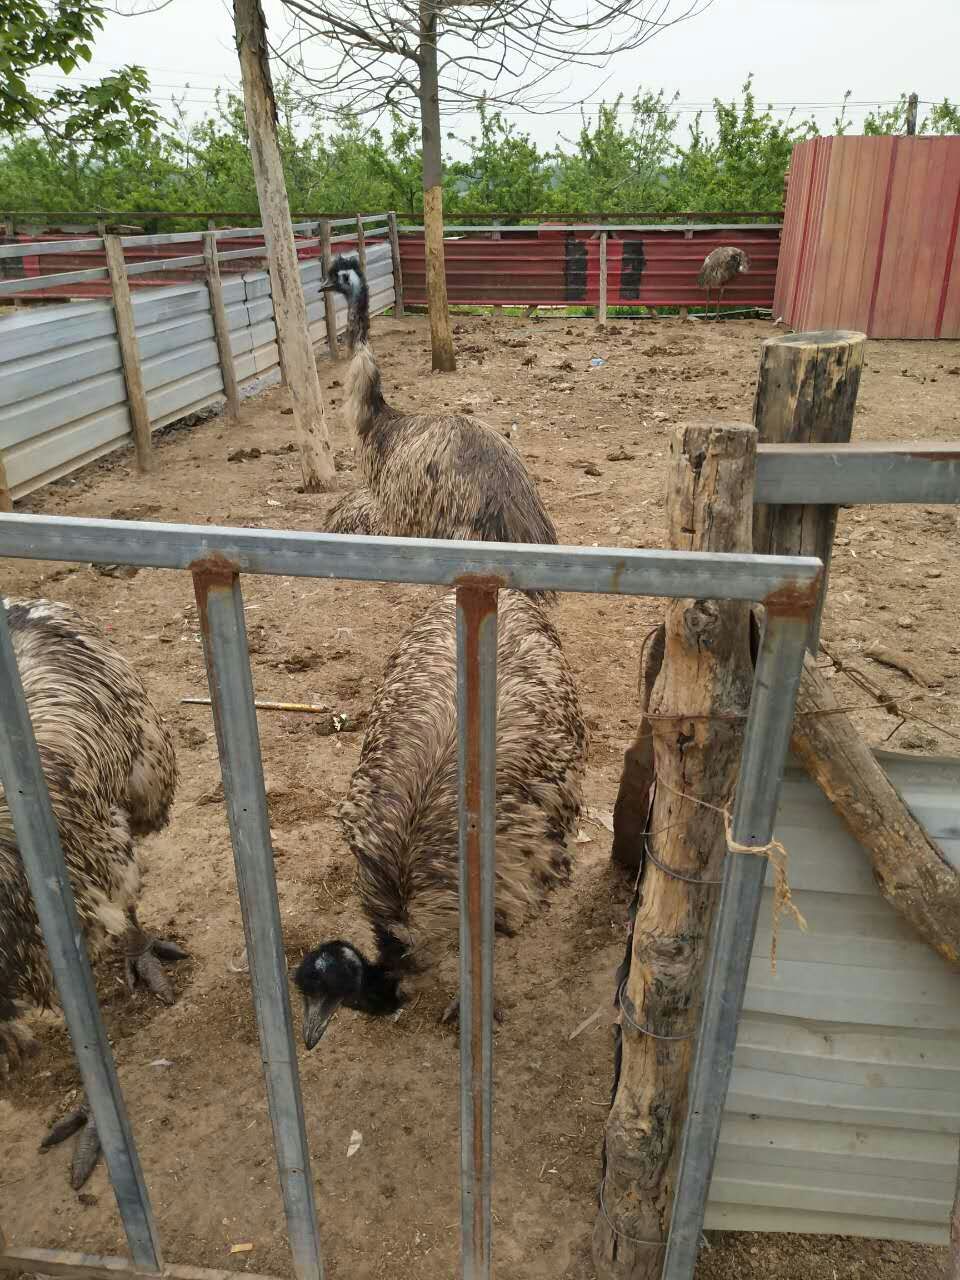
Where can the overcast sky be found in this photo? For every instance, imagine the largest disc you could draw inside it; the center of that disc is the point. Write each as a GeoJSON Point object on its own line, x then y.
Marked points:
{"type": "Point", "coordinates": [803, 52]}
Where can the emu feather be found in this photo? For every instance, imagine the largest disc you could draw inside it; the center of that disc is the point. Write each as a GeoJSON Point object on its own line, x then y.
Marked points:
{"type": "Point", "coordinates": [400, 815]}
{"type": "Point", "coordinates": [431, 475]}
{"type": "Point", "coordinates": [111, 772]}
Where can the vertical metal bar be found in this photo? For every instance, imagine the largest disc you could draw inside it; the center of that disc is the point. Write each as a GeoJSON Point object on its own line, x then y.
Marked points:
{"type": "Point", "coordinates": [602, 308]}
{"type": "Point", "coordinates": [761, 772]}
{"type": "Point", "coordinates": [231, 693]}
{"type": "Point", "coordinates": [477, 734]}
{"type": "Point", "coordinates": [39, 841]}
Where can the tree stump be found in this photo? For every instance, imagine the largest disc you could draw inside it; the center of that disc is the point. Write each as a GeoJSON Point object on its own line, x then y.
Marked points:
{"type": "Point", "coordinates": [806, 394]}
{"type": "Point", "coordinates": [706, 672]}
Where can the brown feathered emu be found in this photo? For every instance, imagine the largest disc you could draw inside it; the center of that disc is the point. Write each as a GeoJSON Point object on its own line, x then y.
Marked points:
{"type": "Point", "coordinates": [400, 814]}
{"type": "Point", "coordinates": [357, 512]}
{"type": "Point", "coordinates": [111, 771]}
{"type": "Point", "coordinates": [431, 475]}
{"type": "Point", "coordinates": [720, 267]}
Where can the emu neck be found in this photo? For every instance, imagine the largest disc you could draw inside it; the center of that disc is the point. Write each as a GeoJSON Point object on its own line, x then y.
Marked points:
{"type": "Point", "coordinates": [380, 994]}
{"type": "Point", "coordinates": [358, 317]}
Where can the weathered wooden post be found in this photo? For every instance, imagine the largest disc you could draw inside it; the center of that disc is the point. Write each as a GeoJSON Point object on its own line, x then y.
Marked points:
{"type": "Point", "coordinates": [806, 394]}
{"type": "Point", "coordinates": [289, 308]}
{"type": "Point", "coordinates": [6, 500]}
{"type": "Point", "coordinates": [398, 310]}
{"type": "Point", "coordinates": [361, 245]}
{"type": "Point", "coordinates": [221, 328]}
{"type": "Point", "coordinates": [329, 304]}
{"type": "Point", "coordinates": [129, 352]}
{"type": "Point", "coordinates": [697, 708]}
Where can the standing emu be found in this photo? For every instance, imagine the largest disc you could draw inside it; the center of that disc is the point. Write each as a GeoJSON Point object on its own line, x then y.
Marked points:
{"type": "Point", "coordinates": [111, 772]}
{"type": "Point", "coordinates": [432, 475]}
{"type": "Point", "coordinates": [400, 815]}
{"type": "Point", "coordinates": [719, 268]}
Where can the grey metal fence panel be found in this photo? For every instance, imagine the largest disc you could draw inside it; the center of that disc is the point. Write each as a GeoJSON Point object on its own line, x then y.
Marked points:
{"type": "Point", "coordinates": [62, 391]}
{"type": "Point", "coordinates": [843, 1114]}
{"type": "Point", "coordinates": [479, 570]}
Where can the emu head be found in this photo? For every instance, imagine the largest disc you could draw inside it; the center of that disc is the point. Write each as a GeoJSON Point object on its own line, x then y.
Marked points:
{"type": "Point", "coordinates": [743, 262]}
{"type": "Point", "coordinates": [345, 276]}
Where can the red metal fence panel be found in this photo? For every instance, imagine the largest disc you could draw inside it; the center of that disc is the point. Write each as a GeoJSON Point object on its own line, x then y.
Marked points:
{"type": "Point", "coordinates": [870, 237]}
{"type": "Point", "coordinates": [554, 267]}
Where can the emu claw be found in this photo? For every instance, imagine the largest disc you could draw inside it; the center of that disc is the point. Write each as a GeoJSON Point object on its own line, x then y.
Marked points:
{"type": "Point", "coordinates": [144, 967]}
{"type": "Point", "coordinates": [86, 1153]}
{"type": "Point", "coordinates": [451, 1013]}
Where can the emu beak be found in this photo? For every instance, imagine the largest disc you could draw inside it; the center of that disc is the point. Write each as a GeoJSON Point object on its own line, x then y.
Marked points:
{"type": "Point", "coordinates": [317, 1012]}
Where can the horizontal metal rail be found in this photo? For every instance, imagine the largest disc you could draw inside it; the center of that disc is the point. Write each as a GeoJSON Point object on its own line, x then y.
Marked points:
{"type": "Point", "coordinates": [164, 264]}
{"type": "Point", "coordinates": [839, 475]}
{"type": "Point", "coordinates": [533, 228]}
{"type": "Point", "coordinates": [25, 284]}
{"type": "Point", "coordinates": [440, 563]}
{"type": "Point", "coordinates": [49, 246]}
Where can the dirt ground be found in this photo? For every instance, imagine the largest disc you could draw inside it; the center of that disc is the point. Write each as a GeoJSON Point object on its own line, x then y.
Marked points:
{"type": "Point", "coordinates": [191, 1073]}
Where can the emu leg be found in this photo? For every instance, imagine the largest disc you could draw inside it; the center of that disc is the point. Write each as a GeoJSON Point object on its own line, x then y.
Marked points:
{"type": "Point", "coordinates": [86, 1151]}
{"type": "Point", "coordinates": [451, 1013]}
{"type": "Point", "coordinates": [143, 957]}
{"type": "Point", "coordinates": [719, 302]}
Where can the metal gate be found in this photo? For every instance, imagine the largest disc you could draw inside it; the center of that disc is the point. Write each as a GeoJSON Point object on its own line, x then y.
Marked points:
{"type": "Point", "coordinates": [216, 557]}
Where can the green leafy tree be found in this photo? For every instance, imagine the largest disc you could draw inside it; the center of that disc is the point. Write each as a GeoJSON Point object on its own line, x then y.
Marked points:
{"type": "Point", "coordinates": [34, 35]}
{"type": "Point", "coordinates": [504, 170]}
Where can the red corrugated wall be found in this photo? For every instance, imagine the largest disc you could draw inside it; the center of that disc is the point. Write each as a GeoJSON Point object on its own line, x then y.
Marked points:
{"type": "Point", "coordinates": [870, 237]}
{"type": "Point", "coordinates": [546, 267]}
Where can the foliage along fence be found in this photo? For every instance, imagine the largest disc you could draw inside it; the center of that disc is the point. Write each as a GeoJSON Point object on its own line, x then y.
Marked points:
{"type": "Point", "coordinates": [63, 394]}
{"type": "Point", "coordinates": [557, 265]}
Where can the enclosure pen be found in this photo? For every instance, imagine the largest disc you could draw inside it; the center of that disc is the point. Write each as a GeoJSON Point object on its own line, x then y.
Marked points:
{"type": "Point", "coordinates": [217, 557]}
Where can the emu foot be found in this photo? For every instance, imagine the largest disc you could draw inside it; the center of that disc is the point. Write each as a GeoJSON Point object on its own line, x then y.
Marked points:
{"type": "Point", "coordinates": [16, 1046]}
{"type": "Point", "coordinates": [86, 1152]}
{"type": "Point", "coordinates": [143, 964]}
{"type": "Point", "coordinates": [451, 1013]}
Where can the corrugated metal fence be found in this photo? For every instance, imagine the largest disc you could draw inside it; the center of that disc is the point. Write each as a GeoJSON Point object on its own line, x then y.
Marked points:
{"type": "Point", "coordinates": [548, 265]}
{"type": "Point", "coordinates": [871, 237]}
{"type": "Point", "coordinates": [63, 399]}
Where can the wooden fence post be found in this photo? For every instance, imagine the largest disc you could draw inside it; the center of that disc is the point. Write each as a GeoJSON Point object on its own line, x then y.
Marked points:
{"type": "Point", "coordinates": [602, 309]}
{"type": "Point", "coordinates": [129, 352]}
{"type": "Point", "coordinates": [398, 310]}
{"type": "Point", "coordinates": [6, 501]}
{"type": "Point", "coordinates": [289, 307]}
{"type": "Point", "coordinates": [220, 326]}
{"type": "Point", "coordinates": [361, 245]}
{"type": "Point", "coordinates": [330, 310]}
{"type": "Point", "coordinates": [806, 394]}
{"type": "Point", "coordinates": [706, 675]}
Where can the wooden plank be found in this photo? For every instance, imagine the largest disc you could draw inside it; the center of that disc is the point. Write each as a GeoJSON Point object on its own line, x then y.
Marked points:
{"type": "Point", "coordinates": [30, 419]}
{"type": "Point", "coordinates": [221, 327]}
{"type": "Point", "coordinates": [39, 456]}
{"type": "Point", "coordinates": [173, 366]}
{"type": "Point", "coordinates": [130, 354]}
{"type": "Point", "coordinates": [25, 380]}
{"type": "Point", "coordinates": [398, 309]}
{"type": "Point", "coordinates": [850, 474]}
{"type": "Point", "coordinates": [875, 1197]}
{"type": "Point", "coordinates": [329, 298]}
{"type": "Point", "coordinates": [602, 309]}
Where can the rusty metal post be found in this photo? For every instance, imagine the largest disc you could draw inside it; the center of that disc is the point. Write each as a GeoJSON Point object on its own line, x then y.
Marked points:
{"type": "Point", "coordinates": [477, 733]}
{"type": "Point", "coordinates": [220, 603]}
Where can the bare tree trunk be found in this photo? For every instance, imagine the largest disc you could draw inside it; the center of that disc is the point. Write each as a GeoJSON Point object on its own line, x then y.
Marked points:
{"type": "Point", "coordinates": [441, 337]}
{"type": "Point", "coordinates": [706, 672]}
{"type": "Point", "coordinates": [290, 312]}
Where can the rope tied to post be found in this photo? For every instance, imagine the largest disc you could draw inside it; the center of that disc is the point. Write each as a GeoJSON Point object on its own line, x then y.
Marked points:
{"type": "Point", "coordinates": [775, 853]}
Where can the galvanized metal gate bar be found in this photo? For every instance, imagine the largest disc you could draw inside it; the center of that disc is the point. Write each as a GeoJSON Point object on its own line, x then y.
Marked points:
{"type": "Point", "coordinates": [39, 840]}
{"type": "Point", "coordinates": [767, 736]}
{"type": "Point", "coordinates": [224, 635]}
{"type": "Point", "coordinates": [787, 586]}
{"type": "Point", "coordinates": [477, 735]}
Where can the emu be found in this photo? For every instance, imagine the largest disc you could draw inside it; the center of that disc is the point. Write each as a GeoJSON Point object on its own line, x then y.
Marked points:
{"type": "Point", "coordinates": [432, 475]}
{"type": "Point", "coordinates": [110, 767]}
{"type": "Point", "coordinates": [720, 267]}
{"type": "Point", "coordinates": [400, 814]}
